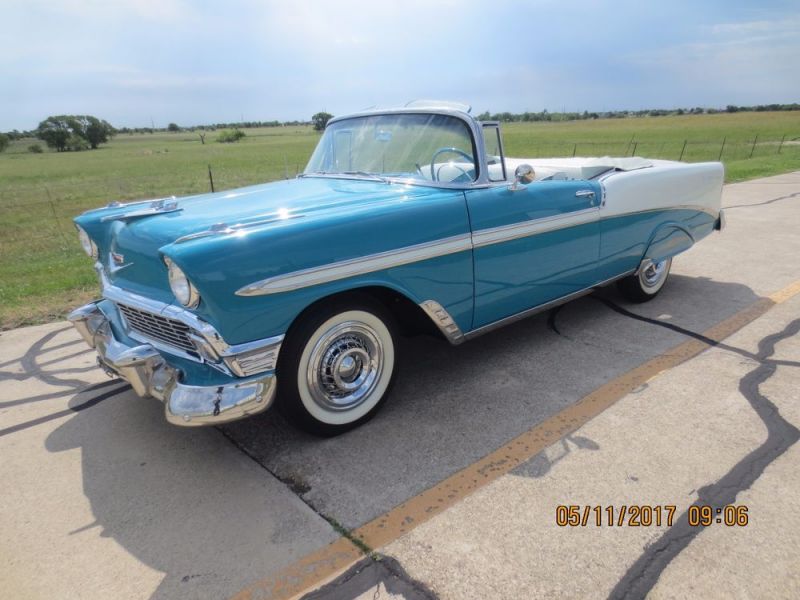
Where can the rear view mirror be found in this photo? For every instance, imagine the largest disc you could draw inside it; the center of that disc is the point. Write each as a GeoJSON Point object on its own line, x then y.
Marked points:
{"type": "Point", "coordinates": [523, 175]}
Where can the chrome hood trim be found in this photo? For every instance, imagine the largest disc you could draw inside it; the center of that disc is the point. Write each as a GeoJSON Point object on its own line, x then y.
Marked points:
{"type": "Point", "coordinates": [225, 229]}
{"type": "Point", "coordinates": [157, 207]}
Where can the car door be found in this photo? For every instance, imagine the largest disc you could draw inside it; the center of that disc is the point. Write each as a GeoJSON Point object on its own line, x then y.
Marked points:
{"type": "Point", "coordinates": [532, 244]}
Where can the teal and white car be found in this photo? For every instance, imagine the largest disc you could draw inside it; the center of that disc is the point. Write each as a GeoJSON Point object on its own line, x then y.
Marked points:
{"type": "Point", "coordinates": [407, 220]}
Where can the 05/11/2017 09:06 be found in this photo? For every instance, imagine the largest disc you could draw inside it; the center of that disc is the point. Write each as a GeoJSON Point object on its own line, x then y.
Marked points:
{"type": "Point", "coordinates": [409, 220]}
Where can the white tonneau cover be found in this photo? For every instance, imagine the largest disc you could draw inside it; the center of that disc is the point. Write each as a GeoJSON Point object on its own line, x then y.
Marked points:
{"type": "Point", "coordinates": [575, 168]}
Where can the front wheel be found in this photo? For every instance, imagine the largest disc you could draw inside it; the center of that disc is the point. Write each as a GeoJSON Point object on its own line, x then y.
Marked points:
{"type": "Point", "coordinates": [336, 367]}
{"type": "Point", "coordinates": [646, 284]}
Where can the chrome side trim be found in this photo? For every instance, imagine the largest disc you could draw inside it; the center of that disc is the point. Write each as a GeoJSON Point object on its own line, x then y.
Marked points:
{"type": "Point", "coordinates": [401, 256]}
{"type": "Point", "coordinates": [442, 319]}
{"type": "Point", "coordinates": [696, 207]}
{"type": "Point", "coordinates": [505, 233]}
{"type": "Point", "coordinates": [357, 266]}
{"type": "Point", "coordinates": [541, 308]}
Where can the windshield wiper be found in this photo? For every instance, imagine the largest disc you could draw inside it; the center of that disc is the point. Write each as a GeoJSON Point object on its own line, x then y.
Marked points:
{"type": "Point", "coordinates": [366, 174]}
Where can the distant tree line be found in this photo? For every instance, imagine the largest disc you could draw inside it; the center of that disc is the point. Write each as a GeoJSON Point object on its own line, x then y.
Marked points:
{"type": "Point", "coordinates": [174, 127]}
{"type": "Point", "coordinates": [79, 132]}
{"type": "Point", "coordinates": [544, 115]}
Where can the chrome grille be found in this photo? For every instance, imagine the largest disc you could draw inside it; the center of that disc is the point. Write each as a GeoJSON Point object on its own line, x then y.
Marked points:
{"type": "Point", "coordinates": [159, 328]}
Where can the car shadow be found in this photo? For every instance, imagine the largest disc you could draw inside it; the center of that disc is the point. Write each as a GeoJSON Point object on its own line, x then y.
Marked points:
{"type": "Point", "coordinates": [182, 501]}
{"type": "Point", "coordinates": [453, 405]}
{"type": "Point", "coordinates": [450, 407]}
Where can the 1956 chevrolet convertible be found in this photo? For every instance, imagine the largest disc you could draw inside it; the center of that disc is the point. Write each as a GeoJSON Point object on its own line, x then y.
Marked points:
{"type": "Point", "coordinates": [294, 292]}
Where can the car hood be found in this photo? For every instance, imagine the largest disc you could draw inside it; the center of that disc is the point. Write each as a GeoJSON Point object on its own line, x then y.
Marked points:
{"type": "Point", "coordinates": [129, 237]}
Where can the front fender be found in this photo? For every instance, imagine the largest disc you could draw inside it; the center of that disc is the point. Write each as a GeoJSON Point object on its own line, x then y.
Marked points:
{"type": "Point", "coordinates": [221, 265]}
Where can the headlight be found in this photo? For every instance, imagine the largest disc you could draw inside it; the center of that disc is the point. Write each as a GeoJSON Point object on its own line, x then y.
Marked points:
{"type": "Point", "coordinates": [180, 285]}
{"type": "Point", "coordinates": [86, 243]}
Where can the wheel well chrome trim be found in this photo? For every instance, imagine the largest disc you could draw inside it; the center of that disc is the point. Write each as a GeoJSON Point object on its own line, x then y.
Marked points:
{"type": "Point", "coordinates": [442, 319]}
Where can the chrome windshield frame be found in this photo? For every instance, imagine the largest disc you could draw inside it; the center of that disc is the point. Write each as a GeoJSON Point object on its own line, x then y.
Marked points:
{"type": "Point", "coordinates": [475, 131]}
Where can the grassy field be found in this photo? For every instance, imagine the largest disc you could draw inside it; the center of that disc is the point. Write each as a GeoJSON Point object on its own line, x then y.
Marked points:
{"type": "Point", "coordinates": [43, 272]}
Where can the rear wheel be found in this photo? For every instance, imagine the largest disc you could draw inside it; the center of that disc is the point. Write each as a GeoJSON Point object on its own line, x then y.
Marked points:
{"type": "Point", "coordinates": [647, 283]}
{"type": "Point", "coordinates": [337, 367]}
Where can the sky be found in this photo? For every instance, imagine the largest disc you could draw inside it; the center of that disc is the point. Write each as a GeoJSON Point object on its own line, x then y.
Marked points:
{"type": "Point", "coordinates": [133, 62]}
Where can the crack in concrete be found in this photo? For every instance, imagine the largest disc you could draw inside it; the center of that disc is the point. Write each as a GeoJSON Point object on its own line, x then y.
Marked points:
{"type": "Point", "coordinates": [787, 197]}
{"type": "Point", "coordinates": [383, 573]}
{"type": "Point", "coordinates": [643, 575]}
{"type": "Point", "coordinates": [298, 489]}
{"type": "Point", "coordinates": [692, 334]}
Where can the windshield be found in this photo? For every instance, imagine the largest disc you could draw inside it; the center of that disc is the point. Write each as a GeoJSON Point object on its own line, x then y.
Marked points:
{"type": "Point", "coordinates": [425, 147]}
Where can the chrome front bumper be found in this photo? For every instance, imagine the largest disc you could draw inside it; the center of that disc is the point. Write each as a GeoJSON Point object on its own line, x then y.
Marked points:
{"type": "Point", "coordinates": [150, 375]}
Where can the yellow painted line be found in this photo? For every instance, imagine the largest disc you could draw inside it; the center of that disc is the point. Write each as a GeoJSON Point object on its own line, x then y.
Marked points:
{"type": "Point", "coordinates": [786, 293]}
{"type": "Point", "coordinates": [327, 562]}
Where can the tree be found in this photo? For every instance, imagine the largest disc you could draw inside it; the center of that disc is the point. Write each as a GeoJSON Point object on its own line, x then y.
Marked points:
{"type": "Point", "coordinates": [94, 130]}
{"type": "Point", "coordinates": [64, 131]}
{"type": "Point", "coordinates": [55, 132]}
{"type": "Point", "coordinates": [228, 137]}
{"type": "Point", "coordinates": [4, 141]}
{"type": "Point", "coordinates": [173, 127]}
{"type": "Point", "coordinates": [320, 120]}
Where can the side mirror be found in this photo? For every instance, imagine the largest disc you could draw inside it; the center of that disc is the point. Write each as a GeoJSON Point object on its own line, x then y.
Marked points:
{"type": "Point", "coordinates": [523, 175]}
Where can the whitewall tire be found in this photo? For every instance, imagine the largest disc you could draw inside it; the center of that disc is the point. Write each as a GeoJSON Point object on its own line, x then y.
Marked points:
{"type": "Point", "coordinates": [337, 367]}
{"type": "Point", "coordinates": [647, 282]}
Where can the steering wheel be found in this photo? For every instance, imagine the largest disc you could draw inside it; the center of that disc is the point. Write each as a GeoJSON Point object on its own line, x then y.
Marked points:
{"type": "Point", "coordinates": [463, 172]}
{"type": "Point", "coordinates": [434, 173]}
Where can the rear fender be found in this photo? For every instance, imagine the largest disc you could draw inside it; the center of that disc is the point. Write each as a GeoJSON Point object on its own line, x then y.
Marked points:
{"type": "Point", "coordinates": [668, 240]}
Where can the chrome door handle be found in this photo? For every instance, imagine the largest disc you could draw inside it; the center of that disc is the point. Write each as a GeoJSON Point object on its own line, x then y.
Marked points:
{"type": "Point", "coordinates": [585, 194]}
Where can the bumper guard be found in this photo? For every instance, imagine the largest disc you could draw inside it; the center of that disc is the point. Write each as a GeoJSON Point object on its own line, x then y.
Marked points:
{"type": "Point", "coordinates": [149, 375]}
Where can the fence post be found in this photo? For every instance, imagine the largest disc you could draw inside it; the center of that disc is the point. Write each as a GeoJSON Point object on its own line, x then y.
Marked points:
{"type": "Point", "coordinates": [683, 150]}
{"type": "Point", "coordinates": [55, 217]}
{"type": "Point", "coordinates": [753, 149]}
{"type": "Point", "coordinates": [783, 139]}
{"type": "Point", "coordinates": [210, 178]}
{"type": "Point", "coordinates": [574, 149]}
{"type": "Point", "coordinates": [722, 148]}
{"type": "Point", "coordinates": [633, 152]}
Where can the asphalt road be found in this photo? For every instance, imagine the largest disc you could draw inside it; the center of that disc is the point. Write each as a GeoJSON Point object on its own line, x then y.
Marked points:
{"type": "Point", "coordinates": [103, 499]}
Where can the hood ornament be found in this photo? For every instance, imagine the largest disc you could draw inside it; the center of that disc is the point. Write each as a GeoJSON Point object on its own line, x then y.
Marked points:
{"type": "Point", "coordinates": [157, 207]}
{"type": "Point", "coordinates": [116, 262]}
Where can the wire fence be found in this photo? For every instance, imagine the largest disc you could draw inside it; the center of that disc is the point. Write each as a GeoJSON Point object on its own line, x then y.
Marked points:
{"type": "Point", "coordinates": [682, 150]}
{"type": "Point", "coordinates": [37, 218]}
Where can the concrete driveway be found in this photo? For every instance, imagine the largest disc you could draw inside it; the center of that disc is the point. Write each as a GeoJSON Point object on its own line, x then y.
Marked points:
{"type": "Point", "coordinates": [452, 491]}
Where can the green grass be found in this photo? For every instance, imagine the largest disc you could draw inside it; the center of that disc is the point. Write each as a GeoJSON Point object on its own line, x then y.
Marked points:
{"type": "Point", "coordinates": [43, 272]}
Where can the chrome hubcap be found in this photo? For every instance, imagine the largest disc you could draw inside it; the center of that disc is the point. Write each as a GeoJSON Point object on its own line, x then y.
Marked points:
{"type": "Point", "coordinates": [651, 276]}
{"type": "Point", "coordinates": [345, 366]}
